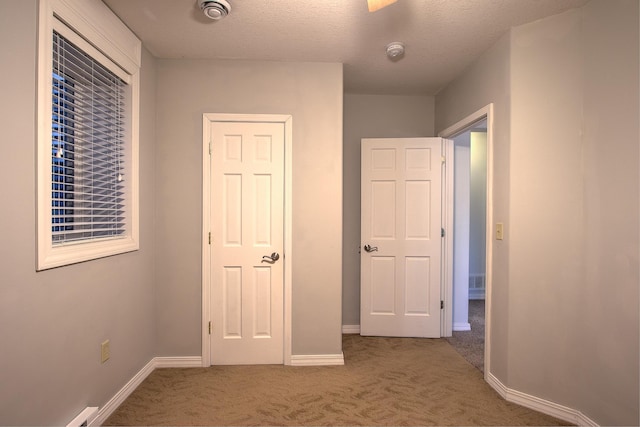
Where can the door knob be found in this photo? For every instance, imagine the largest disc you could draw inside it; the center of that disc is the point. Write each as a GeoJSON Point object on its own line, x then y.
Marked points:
{"type": "Point", "coordinates": [271, 258]}
{"type": "Point", "coordinates": [370, 248]}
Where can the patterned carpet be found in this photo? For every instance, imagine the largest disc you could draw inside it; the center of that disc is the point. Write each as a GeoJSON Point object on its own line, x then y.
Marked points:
{"type": "Point", "coordinates": [385, 381]}
{"type": "Point", "coordinates": [470, 344]}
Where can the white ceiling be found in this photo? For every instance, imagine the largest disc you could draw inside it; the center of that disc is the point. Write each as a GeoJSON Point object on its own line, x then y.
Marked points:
{"type": "Point", "coordinates": [442, 37]}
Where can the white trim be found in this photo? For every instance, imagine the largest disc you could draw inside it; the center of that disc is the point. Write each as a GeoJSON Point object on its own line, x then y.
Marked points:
{"type": "Point", "coordinates": [483, 113]}
{"type": "Point", "coordinates": [177, 362]}
{"type": "Point", "coordinates": [537, 404]}
{"type": "Point", "coordinates": [446, 291]}
{"type": "Point", "coordinates": [350, 329]}
{"type": "Point", "coordinates": [583, 420]}
{"type": "Point", "coordinates": [206, 247]}
{"type": "Point", "coordinates": [108, 409]}
{"type": "Point", "coordinates": [288, 236]}
{"type": "Point", "coordinates": [102, 29]}
{"type": "Point", "coordinates": [496, 385]}
{"type": "Point", "coordinates": [87, 415]}
{"type": "Point", "coordinates": [461, 326]}
{"type": "Point", "coordinates": [287, 121]}
{"type": "Point", "coordinates": [155, 363]}
{"type": "Point", "coordinates": [107, 32]}
{"type": "Point", "coordinates": [476, 294]}
{"type": "Point", "coordinates": [317, 359]}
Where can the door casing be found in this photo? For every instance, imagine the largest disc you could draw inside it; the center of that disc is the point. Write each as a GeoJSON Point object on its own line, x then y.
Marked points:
{"type": "Point", "coordinates": [287, 255]}
{"type": "Point", "coordinates": [453, 130]}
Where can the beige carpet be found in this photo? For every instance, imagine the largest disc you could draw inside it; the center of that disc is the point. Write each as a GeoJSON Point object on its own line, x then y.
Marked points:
{"type": "Point", "coordinates": [385, 381]}
{"type": "Point", "coordinates": [470, 344]}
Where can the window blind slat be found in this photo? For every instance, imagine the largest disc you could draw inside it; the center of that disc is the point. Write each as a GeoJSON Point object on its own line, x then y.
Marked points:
{"type": "Point", "coordinates": [87, 147]}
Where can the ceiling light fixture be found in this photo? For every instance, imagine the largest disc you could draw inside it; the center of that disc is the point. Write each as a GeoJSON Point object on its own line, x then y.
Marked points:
{"type": "Point", "coordinates": [214, 9]}
{"type": "Point", "coordinates": [395, 50]}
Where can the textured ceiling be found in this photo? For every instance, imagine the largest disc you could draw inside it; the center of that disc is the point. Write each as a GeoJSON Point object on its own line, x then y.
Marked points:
{"type": "Point", "coordinates": [442, 37]}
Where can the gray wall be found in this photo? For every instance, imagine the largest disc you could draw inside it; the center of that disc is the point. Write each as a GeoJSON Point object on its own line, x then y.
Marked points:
{"type": "Point", "coordinates": [371, 116]}
{"type": "Point", "coordinates": [52, 322]}
{"type": "Point", "coordinates": [487, 81]}
{"type": "Point", "coordinates": [575, 117]}
{"type": "Point", "coordinates": [312, 94]}
{"type": "Point", "coordinates": [609, 295]}
{"type": "Point", "coordinates": [572, 220]}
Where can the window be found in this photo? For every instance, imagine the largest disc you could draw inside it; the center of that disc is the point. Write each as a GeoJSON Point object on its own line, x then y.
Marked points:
{"type": "Point", "coordinates": [87, 134]}
{"type": "Point", "coordinates": [87, 128]}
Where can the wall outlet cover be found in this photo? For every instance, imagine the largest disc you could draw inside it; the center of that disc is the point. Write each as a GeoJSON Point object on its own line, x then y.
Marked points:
{"type": "Point", "coordinates": [105, 351]}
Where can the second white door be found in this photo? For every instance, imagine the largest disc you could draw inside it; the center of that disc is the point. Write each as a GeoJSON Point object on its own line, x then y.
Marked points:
{"type": "Point", "coordinates": [247, 214]}
{"type": "Point", "coordinates": [400, 267]}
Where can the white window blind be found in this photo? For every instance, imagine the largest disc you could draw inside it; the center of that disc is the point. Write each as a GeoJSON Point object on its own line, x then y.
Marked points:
{"type": "Point", "coordinates": [88, 131]}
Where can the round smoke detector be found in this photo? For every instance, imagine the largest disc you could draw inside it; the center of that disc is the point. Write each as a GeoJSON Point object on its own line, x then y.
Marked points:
{"type": "Point", "coordinates": [395, 50]}
{"type": "Point", "coordinates": [214, 9]}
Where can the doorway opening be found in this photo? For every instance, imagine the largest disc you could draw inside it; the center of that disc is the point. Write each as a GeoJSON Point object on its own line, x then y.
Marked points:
{"type": "Point", "coordinates": [469, 272]}
{"type": "Point", "coordinates": [470, 290]}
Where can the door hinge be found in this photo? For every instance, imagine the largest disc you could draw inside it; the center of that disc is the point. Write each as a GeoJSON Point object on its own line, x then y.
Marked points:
{"type": "Point", "coordinates": [444, 159]}
{"type": "Point", "coordinates": [209, 237]}
{"type": "Point", "coordinates": [441, 308]}
{"type": "Point", "coordinates": [209, 328]}
{"type": "Point", "coordinates": [210, 144]}
{"type": "Point", "coordinates": [441, 233]}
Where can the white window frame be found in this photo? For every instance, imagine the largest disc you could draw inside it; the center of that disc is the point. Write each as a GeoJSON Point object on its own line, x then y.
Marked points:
{"type": "Point", "coordinates": [108, 39]}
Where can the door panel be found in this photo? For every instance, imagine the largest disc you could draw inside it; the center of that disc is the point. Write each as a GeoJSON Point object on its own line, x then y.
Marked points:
{"type": "Point", "coordinates": [383, 207]}
{"type": "Point", "coordinates": [417, 296]}
{"type": "Point", "coordinates": [383, 293]}
{"type": "Point", "coordinates": [247, 214]}
{"type": "Point", "coordinates": [401, 221]}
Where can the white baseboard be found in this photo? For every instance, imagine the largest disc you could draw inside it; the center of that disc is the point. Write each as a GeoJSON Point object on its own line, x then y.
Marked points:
{"type": "Point", "coordinates": [86, 416]}
{"type": "Point", "coordinates": [583, 420]}
{"type": "Point", "coordinates": [461, 326]}
{"type": "Point", "coordinates": [178, 362]}
{"type": "Point", "coordinates": [317, 359]}
{"type": "Point", "coordinates": [157, 362]}
{"type": "Point", "coordinates": [540, 405]}
{"type": "Point", "coordinates": [350, 329]}
{"type": "Point", "coordinates": [108, 409]}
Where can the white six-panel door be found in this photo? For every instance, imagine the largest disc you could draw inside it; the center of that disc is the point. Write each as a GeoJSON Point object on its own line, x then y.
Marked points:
{"type": "Point", "coordinates": [401, 237]}
{"type": "Point", "coordinates": [247, 214]}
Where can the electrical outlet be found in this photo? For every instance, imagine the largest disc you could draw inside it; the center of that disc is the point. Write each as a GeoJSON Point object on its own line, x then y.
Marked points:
{"type": "Point", "coordinates": [105, 352]}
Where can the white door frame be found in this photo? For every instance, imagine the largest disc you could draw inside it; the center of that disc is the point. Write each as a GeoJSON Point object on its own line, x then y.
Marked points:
{"type": "Point", "coordinates": [287, 255]}
{"type": "Point", "coordinates": [446, 263]}
{"type": "Point", "coordinates": [457, 128]}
